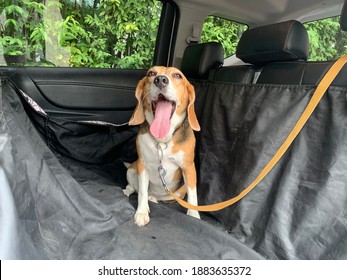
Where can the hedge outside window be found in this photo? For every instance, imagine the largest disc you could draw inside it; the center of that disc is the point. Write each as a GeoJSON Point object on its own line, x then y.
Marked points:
{"type": "Point", "coordinates": [80, 33]}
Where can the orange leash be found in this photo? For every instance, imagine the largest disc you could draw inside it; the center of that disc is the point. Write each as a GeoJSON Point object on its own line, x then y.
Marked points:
{"type": "Point", "coordinates": [316, 97]}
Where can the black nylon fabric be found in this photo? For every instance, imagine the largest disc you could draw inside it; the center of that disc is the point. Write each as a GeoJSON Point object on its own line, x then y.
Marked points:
{"type": "Point", "coordinates": [54, 206]}
{"type": "Point", "coordinates": [90, 143]}
{"type": "Point", "coordinates": [64, 200]}
{"type": "Point", "coordinates": [299, 210]}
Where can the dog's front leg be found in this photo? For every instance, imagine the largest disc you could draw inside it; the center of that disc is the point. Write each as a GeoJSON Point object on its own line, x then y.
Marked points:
{"type": "Point", "coordinates": [189, 175]}
{"type": "Point", "coordinates": [142, 213]}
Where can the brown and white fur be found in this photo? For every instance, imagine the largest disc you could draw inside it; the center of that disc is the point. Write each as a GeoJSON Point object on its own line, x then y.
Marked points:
{"type": "Point", "coordinates": [170, 85]}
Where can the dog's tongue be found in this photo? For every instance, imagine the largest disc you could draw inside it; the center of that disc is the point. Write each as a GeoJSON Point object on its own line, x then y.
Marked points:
{"type": "Point", "coordinates": [161, 124]}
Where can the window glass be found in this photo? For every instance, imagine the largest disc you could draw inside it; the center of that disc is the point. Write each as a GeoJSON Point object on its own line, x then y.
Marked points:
{"type": "Point", "coordinates": [226, 32]}
{"type": "Point", "coordinates": [327, 40]}
{"type": "Point", "coordinates": [79, 33]}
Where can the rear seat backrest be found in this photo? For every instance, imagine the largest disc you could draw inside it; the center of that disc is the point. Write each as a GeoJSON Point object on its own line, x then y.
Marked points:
{"type": "Point", "coordinates": [343, 17]}
{"type": "Point", "coordinates": [281, 51]}
{"type": "Point", "coordinates": [234, 74]}
{"type": "Point", "coordinates": [199, 59]}
{"type": "Point", "coordinates": [204, 61]}
{"type": "Point", "coordinates": [286, 41]}
{"type": "Point", "coordinates": [197, 62]}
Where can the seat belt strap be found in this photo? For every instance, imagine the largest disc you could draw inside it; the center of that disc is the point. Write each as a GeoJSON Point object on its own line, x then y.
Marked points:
{"type": "Point", "coordinates": [316, 97]}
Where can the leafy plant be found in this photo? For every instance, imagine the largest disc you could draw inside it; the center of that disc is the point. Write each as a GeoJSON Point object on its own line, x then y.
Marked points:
{"type": "Point", "coordinates": [12, 40]}
{"type": "Point", "coordinates": [111, 33]}
{"type": "Point", "coordinates": [324, 39]}
{"type": "Point", "coordinates": [21, 17]}
{"type": "Point", "coordinates": [223, 31]}
{"type": "Point", "coordinates": [116, 35]}
{"type": "Point", "coordinates": [119, 33]}
{"type": "Point", "coordinates": [12, 46]}
{"type": "Point", "coordinates": [87, 33]}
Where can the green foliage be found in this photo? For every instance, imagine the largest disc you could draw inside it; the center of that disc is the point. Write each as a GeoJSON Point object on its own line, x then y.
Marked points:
{"type": "Point", "coordinates": [224, 31]}
{"type": "Point", "coordinates": [12, 46]}
{"type": "Point", "coordinates": [327, 41]}
{"type": "Point", "coordinates": [87, 33]}
{"type": "Point", "coordinates": [119, 33]}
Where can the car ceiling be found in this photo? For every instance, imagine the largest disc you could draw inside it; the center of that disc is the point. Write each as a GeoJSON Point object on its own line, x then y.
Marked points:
{"type": "Point", "coordinates": [262, 12]}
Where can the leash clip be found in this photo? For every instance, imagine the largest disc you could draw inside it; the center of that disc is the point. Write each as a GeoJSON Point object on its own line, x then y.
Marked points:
{"type": "Point", "coordinates": [161, 168]}
{"type": "Point", "coordinates": [162, 173]}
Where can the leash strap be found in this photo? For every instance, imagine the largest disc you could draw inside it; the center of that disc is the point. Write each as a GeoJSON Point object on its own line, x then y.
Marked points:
{"type": "Point", "coordinates": [316, 97]}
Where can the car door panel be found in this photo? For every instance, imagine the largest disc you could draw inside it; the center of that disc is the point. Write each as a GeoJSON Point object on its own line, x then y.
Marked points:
{"type": "Point", "coordinates": [80, 93]}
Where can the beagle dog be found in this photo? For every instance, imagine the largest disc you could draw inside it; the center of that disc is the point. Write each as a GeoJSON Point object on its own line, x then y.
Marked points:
{"type": "Point", "coordinates": [165, 143]}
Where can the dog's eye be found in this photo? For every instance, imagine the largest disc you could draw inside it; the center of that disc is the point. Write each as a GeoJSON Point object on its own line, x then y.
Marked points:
{"type": "Point", "coordinates": [177, 75]}
{"type": "Point", "coordinates": [151, 74]}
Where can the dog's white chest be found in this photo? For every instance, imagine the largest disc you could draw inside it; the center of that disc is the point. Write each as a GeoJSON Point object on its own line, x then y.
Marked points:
{"type": "Point", "coordinates": [156, 154]}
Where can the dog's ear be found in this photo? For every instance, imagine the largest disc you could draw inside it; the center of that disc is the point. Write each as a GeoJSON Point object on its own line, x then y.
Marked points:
{"type": "Point", "coordinates": [138, 116]}
{"type": "Point", "coordinates": [192, 119]}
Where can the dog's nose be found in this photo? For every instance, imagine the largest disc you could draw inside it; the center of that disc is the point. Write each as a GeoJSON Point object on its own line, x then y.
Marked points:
{"type": "Point", "coordinates": [161, 81]}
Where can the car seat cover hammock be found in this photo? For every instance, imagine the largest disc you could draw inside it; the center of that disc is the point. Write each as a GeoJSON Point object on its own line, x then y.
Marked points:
{"type": "Point", "coordinates": [313, 103]}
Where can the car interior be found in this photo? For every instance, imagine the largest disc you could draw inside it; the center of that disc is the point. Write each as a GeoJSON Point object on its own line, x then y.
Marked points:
{"type": "Point", "coordinates": [65, 138]}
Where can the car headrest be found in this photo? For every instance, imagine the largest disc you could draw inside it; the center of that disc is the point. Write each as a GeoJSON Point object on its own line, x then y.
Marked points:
{"type": "Point", "coordinates": [343, 16]}
{"type": "Point", "coordinates": [199, 59]}
{"type": "Point", "coordinates": [283, 41]}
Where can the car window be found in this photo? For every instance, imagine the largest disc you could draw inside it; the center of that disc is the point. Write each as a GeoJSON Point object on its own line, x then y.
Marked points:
{"type": "Point", "coordinates": [327, 40]}
{"type": "Point", "coordinates": [226, 32]}
{"type": "Point", "coordinates": [79, 33]}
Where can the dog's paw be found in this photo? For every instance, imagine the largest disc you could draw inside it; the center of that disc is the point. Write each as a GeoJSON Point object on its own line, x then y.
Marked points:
{"type": "Point", "coordinates": [128, 190]}
{"type": "Point", "coordinates": [152, 199]}
{"type": "Point", "coordinates": [141, 219]}
{"type": "Point", "coordinates": [193, 213]}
